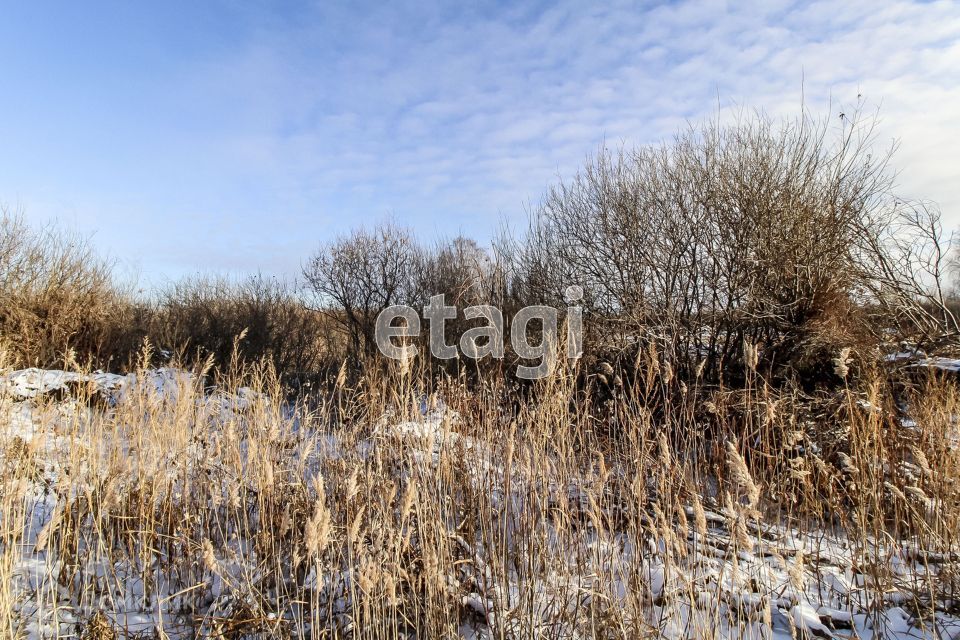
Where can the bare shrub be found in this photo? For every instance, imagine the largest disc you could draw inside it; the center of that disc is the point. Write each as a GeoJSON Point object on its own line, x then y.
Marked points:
{"type": "Point", "coordinates": [57, 296]}
{"type": "Point", "coordinates": [773, 233]}
{"type": "Point", "coordinates": [355, 277]}
{"type": "Point", "coordinates": [909, 269]}
{"type": "Point", "coordinates": [458, 269]}
{"type": "Point", "coordinates": [253, 319]}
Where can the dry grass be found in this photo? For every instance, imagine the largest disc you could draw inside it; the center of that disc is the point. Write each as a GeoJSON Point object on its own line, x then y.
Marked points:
{"type": "Point", "coordinates": [199, 513]}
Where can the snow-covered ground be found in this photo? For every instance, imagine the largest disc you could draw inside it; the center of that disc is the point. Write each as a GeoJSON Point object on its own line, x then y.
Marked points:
{"type": "Point", "coordinates": [921, 359]}
{"type": "Point", "coordinates": [703, 580]}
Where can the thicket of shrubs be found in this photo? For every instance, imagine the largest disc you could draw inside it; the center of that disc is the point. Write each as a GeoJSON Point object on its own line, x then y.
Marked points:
{"type": "Point", "coordinates": [258, 318]}
{"type": "Point", "coordinates": [784, 236]}
{"type": "Point", "coordinates": [787, 237]}
{"type": "Point", "coordinates": [58, 298]}
{"type": "Point", "coordinates": [62, 306]}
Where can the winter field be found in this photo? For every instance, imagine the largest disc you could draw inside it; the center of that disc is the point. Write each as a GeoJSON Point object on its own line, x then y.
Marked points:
{"type": "Point", "coordinates": [166, 504]}
{"type": "Point", "coordinates": [710, 391]}
{"type": "Point", "coordinates": [433, 320]}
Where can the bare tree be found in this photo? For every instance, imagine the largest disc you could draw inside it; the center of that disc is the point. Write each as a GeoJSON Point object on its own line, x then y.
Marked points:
{"type": "Point", "coordinates": [460, 270]}
{"type": "Point", "coordinates": [358, 275]}
{"type": "Point", "coordinates": [908, 268]}
{"type": "Point", "coordinates": [749, 232]}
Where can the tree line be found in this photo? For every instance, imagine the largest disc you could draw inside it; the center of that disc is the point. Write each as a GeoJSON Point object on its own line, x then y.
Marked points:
{"type": "Point", "coordinates": [786, 236]}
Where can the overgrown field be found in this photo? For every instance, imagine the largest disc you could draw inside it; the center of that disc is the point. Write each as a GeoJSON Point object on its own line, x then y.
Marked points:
{"type": "Point", "coordinates": [168, 504]}
{"type": "Point", "coordinates": [756, 436]}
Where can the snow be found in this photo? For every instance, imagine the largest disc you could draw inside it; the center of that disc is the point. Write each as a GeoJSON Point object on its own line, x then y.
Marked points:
{"type": "Point", "coordinates": [791, 584]}
{"type": "Point", "coordinates": [944, 364]}
{"type": "Point", "coordinates": [807, 620]}
{"type": "Point", "coordinates": [34, 383]}
{"type": "Point", "coordinates": [921, 359]}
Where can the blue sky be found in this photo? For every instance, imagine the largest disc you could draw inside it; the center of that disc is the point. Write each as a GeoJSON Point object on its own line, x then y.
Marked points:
{"type": "Point", "coordinates": [236, 136]}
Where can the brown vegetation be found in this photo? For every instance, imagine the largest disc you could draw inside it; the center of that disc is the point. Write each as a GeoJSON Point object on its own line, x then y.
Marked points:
{"type": "Point", "coordinates": [733, 414]}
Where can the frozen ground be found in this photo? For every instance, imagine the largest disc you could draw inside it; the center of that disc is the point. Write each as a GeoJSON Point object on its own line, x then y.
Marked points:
{"type": "Point", "coordinates": [784, 584]}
